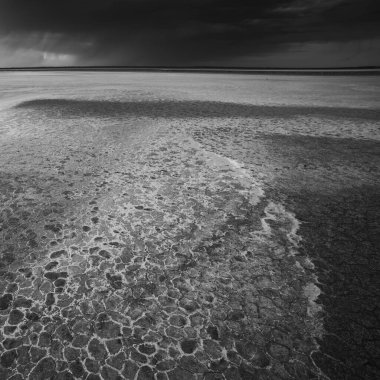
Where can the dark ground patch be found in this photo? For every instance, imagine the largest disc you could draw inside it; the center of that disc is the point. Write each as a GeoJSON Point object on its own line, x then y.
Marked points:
{"type": "Point", "coordinates": [342, 235]}
{"type": "Point", "coordinates": [333, 188]}
{"type": "Point", "coordinates": [69, 108]}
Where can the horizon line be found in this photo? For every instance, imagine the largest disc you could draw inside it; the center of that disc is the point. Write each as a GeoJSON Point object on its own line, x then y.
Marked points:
{"type": "Point", "coordinates": [358, 70]}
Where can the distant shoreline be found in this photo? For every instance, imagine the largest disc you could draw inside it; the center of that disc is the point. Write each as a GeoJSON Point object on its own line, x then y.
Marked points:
{"type": "Point", "coordinates": [223, 70]}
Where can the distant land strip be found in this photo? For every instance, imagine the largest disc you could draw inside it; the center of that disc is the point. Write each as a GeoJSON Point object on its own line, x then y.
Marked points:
{"type": "Point", "coordinates": [368, 70]}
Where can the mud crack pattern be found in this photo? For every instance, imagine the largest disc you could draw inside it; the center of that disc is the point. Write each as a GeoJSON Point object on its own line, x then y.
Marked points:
{"type": "Point", "coordinates": [144, 240]}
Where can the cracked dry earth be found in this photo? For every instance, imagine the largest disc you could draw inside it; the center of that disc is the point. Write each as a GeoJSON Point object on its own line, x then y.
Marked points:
{"type": "Point", "coordinates": [146, 234]}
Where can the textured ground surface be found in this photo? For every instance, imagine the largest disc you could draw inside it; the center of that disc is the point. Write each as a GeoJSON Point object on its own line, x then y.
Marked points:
{"type": "Point", "coordinates": [183, 226]}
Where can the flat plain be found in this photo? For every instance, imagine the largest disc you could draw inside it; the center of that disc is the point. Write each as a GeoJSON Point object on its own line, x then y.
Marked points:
{"type": "Point", "coordinates": [189, 226]}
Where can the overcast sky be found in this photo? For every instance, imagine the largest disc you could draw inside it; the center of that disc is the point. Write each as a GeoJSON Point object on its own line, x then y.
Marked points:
{"type": "Point", "coordinates": [259, 33]}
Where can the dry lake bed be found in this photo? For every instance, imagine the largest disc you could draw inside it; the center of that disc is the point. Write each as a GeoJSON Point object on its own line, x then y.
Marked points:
{"type": "Point", "coordinates": [189, 226]}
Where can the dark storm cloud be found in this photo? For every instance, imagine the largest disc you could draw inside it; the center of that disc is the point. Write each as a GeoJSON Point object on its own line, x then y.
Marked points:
{"type": "Point", "coordinates": [168, 32]}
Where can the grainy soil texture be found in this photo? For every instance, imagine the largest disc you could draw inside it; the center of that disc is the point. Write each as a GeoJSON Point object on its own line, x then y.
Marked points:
{"type": "Point", "coordinates": [189, 226]}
